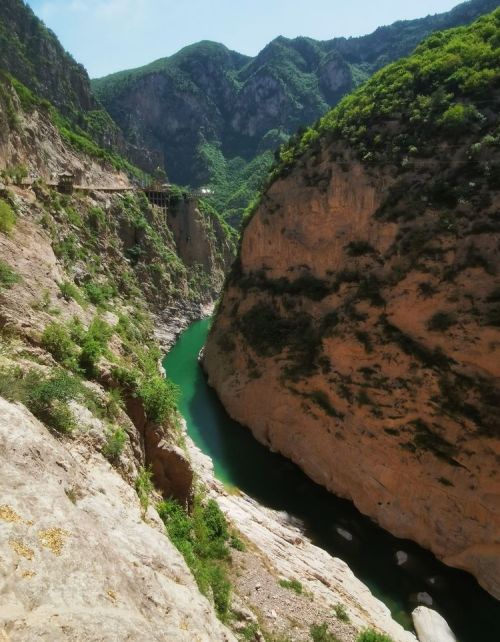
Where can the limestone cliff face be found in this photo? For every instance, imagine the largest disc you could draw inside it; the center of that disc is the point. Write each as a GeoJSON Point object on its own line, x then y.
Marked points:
{"type": "Point", "coordinates": [78, 562]}
{"type": "Point", "coordinates": [364, 347]}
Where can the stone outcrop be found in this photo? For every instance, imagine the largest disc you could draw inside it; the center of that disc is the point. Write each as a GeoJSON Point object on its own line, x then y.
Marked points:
{"type": "Point", "coordinates": [78, 562]}
{"type": "Point", "coordinates": [322, 348]}
{"type": "Point", "coordinates": [431, 627]}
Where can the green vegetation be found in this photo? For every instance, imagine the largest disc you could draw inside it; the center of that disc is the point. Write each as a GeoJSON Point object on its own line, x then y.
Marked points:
{"type": "Point", "coordinates": [341, 613]}
{"type": "Point", "coordinates": [438, 92]}
{"type": "Point", "coordinates": [202, 538]}
{"type": "Point", "coordinates": [56, 339]}
{"type": "Point", "coordinates": [70, 292]}
{"type": "Point", "coordinates": [293, 585]}
{"type": "Point", "coordinates": [242, 126]}
{"type": "Point", "coordinates": [99, 293]}
{"type": "Point", "coordinates": [94, 346]}
{"type": "Point", "coordinates": [116, 438]}
{"type": "Point", "coordinates": [7, 217]}
{"type": "Point", "coordinates": [144, 487]}
{"type": "Point", "coordinates": [369, 635]}
{"type": "Point", "coordinates": [46, 396]}
{"type": "Point", "coordinates": [320, 633]}
{"type": "Point", "coordinates": [441, 321]}
{"type": "Point", "coordinates": [8, 277]}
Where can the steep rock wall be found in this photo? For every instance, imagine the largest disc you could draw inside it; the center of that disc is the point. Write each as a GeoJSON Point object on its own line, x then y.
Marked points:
{"type": "Point", "coordinates": [322, 347]}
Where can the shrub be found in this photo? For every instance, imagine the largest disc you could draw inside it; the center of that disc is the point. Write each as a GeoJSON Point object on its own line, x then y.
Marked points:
{"type": "Point", "coordinates": [159, 397]}
{"type": "Point", "coordinates": [115, 443]}
{"type": "Point", "coordinates": [8, 277]}
{"type": "Point", "coordinates": [99, 293]}
{"type": "Point", "coordinates": [360, 248]}
{"type": "Point", "coordinates": [57, 340]}
{"type": "Point", "coordinates": [341, 613]}
{"type": "Point", "coordinates": [320, 633]}
{"type": "Point", "coordinates": [70, 291]}
{"type": "Point", "coordinates": [48, 399]}
{"type": "Point", "coordinates": [7, 217]}
{"type": "Point", "coordinates": [293, 585]}
{"type": "Point", "coordinates": [202, 539]}
{"type": "Point", "coordinates": [144, 486]}
{"type": "Point", "coordinates": [94, 346]}
{"type": "Point", "coordinates": [441, 321]}
{"type": "Point", "coordinates": [369, 635]}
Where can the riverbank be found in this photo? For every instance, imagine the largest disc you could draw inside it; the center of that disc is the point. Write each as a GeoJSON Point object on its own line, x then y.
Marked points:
{"type": "Point", "coordinates": [172, 321]}
{"type": "Point", "coordinates": [278, 549]}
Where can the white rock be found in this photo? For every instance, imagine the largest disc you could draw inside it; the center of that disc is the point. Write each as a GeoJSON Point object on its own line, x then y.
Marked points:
{"type": "Point", "coordinates": [431, 627]}
{"type": "Point", "coordinates": [345, 534]}
{"type": "Point", "coordinates": [401, 558]}
{"type": "Point", "coordinates": [80, 564]}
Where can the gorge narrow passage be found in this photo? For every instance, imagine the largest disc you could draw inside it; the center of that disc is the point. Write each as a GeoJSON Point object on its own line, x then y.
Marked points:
{"type": "Point", "coordinates": [333, 524]}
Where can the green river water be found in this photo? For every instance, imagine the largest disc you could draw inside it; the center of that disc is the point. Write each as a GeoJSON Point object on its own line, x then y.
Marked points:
{"type": "Point", "coordinates": [273, 481]}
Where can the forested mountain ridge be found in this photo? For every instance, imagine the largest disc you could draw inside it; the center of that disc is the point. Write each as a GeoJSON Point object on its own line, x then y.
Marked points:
{"type": "Point", "coordinates": [216, 116]}
{"type": "Point", "coordinates": [32, 54]}
{"type": "Point", "coordinates": [359, 332]}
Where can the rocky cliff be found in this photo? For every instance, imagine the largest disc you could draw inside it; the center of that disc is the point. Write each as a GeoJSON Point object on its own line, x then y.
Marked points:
{"type": "Point", "coordinates": [358, 333]}
{"type": "Point", "coordinates": [88, 429]}
{"type": "Point", "coordinates": [215, 116]}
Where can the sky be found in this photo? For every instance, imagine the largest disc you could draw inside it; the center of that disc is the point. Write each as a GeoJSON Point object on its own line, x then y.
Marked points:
{"type": "Point", "coordinates": [111, 35]}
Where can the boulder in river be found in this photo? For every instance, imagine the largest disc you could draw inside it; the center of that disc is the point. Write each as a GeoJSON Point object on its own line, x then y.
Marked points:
{"type": "Point", "coordinates": [431, 627]}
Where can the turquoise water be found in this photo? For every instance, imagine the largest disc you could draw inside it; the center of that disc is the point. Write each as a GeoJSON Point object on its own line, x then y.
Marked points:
{"type": "Point", "coordinates": [239, 460]}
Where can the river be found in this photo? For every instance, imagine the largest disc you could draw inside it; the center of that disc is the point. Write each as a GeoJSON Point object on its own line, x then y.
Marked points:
{"type": "Point", "coordinates": [239, 460]}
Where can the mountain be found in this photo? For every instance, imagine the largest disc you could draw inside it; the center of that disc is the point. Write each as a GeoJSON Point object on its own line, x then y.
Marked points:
{"type": "Point", "coordinates": [216, 116]}
{"type": "Point", "coordinates": [33, 55]}
{"type": "Point", "coordinates": [359, 330]}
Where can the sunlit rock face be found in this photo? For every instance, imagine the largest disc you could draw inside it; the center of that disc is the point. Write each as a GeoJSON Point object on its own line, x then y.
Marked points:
{"type": "Point", "coordinates": [328, 346]}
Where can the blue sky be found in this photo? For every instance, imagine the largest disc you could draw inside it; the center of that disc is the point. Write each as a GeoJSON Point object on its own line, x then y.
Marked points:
{"type": "Point", "coordinates": [110, 35]}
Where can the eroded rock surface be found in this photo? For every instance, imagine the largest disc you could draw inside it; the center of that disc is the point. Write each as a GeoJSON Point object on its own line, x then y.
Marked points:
{"type": "Point", "coordinates": [78, 561]}
{"type": "Point", "coordinates": [328, 347]}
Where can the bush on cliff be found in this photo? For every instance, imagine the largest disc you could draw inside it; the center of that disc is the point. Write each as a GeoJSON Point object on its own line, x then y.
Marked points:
{"type": "Point", "coordinates": [202, 538]}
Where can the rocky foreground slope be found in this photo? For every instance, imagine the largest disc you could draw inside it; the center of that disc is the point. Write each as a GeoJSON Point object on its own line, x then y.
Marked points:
{"type": "Point", "coordinates": [359, 330]}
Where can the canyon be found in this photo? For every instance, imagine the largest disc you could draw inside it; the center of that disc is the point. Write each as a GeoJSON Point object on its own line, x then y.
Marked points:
{"type": "Point", "coordinates": [357, 334]}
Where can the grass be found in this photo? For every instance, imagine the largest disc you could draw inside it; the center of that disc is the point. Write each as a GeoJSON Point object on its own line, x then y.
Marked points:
{"type": "Point", "coordinates": [144, 486]}
{"type": "Point", "coordinates": [370, 635]}
{"type": "Point", "coordinates": [7, 217]}
{"type": "Point", "coordinates": [202, 537]}
{"type": "Point", "coordinates": [8, 278]}
{"type": "Point", "coordinates": [292, 585]}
